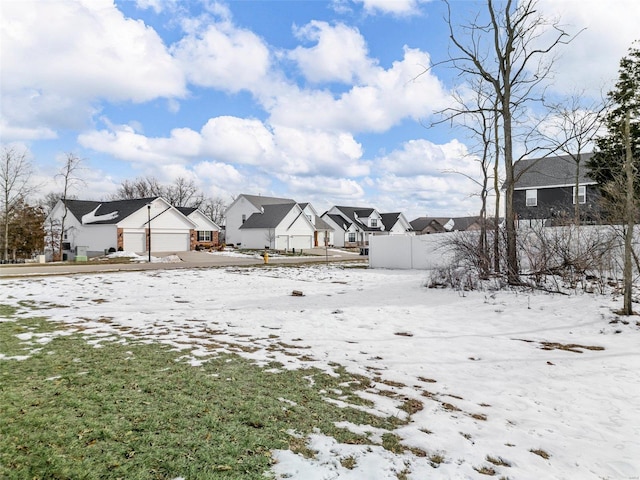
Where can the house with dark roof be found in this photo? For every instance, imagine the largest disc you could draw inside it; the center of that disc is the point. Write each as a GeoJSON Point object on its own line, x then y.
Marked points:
{"type": "Point", "coordinates": [256, 221]}
{"type": "Point", "coordinates": [353, 225]}
{"type": "Point", "coordinates": [207, 231]}
{"type": "Point", "coordinates": [427, 225]}
{"type": "Point", "coordinates": [545, 190]}
{"type": "Point", "coordinates": [137, 225]}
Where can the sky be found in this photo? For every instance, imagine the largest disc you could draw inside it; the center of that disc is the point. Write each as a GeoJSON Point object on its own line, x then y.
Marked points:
{"type": "Point", "coordinates": [328, 102]}
{"type": "Point", "coordinates": [486, 386]}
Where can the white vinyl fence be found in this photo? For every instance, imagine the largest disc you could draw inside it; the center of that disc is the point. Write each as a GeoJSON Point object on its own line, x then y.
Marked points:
{"type": "Point", "coordinates": [419, 252]}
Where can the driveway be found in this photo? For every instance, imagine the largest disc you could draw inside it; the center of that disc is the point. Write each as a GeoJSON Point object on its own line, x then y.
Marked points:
{"type": "Point", "coordinates": [191, 259]}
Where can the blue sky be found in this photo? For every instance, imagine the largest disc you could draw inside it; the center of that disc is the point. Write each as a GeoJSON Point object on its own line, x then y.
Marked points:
{"type": "Point", "coordinates": [319, 101]}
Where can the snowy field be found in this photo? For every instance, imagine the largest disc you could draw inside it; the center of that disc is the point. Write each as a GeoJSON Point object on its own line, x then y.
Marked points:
{"type": "Point", "coordinates": [475, 361]}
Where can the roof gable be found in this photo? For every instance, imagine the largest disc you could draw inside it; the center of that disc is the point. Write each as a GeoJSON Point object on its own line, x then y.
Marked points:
{"type": "Point", "coordinates": [271, 216]}
{"type": "Point", "coordinates": [551, 171]}
{"type": "Point", "coordinates": [105, 213]}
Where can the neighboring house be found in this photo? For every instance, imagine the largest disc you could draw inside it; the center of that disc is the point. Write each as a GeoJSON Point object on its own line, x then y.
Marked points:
{"type": "Point", "coordinates": [241, 209]}
{"type": "Point", "coordinates": [207, 231]}
{"type": "Point", "coordinates": [96, 227]}
{"type": "Point", "coordinates": [396, 223]}
{"type": "Point", "coordinates": [281, 226]}
{"type": "Point", "coordinates": [545, 190]}
{"type": "Point", "coordinates": [323, 235]}
{"type": "Point", "coordinates": [255, 221]}
{"type": "Point", "coordinates": [428, 225]}
{"type": "Point", "coordinates": [354, 226]}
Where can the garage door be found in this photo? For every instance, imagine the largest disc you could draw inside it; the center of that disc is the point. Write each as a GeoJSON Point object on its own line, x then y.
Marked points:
{"type": "Point", "coordinates": [170, 242]}
{"type": "Point", "coordinates": [134, 242]}
{"type": "Point", "coordinates": [300, 242]}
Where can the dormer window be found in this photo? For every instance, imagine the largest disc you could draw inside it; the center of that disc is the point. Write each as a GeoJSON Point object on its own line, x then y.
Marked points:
{"type": "Point", "coordinates": [244, 218]}
{"type": "Point", "coordinates": [374, 222]}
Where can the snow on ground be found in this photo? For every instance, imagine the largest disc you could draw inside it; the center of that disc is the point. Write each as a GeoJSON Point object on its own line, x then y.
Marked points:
{"type": "Point", "coordinates": [474, 360]}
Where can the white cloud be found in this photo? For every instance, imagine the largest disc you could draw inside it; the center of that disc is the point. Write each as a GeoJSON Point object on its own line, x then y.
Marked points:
{"type": "Point", "coordinates": [591, 60]}
{"type": "Point", "coordinates": [219, 55]}
{"type": "Point", "coordinates": [340, 53]}
{"type": "Point", "coordinates": [394, 7]}
{"type": "Point", "coordinates": [422, 157]}
{"type": "Point", "coordinates": [380, 101]}
{"type": "Point", "coordinates": [237, 141]}
{"type": "Point", "coordinates": [58, 58]}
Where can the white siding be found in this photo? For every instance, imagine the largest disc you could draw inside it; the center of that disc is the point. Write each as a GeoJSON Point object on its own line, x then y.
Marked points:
{"type": "Point", "coordinates": [233, 220]}
{"type": "Point", "coordinates": [134, 242]}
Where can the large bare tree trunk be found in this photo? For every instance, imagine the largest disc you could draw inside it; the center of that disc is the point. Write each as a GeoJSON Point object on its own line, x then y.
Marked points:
{"type": "Point", "coordinates": [627, 308]}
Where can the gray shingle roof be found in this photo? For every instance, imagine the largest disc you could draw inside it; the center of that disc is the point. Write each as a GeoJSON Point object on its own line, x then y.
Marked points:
{"type": "Point", "coordinates": [121, 208]}
{"type": "Point", "coordinates": [260, 201]}
{"type": "Point", "coordinates": [271, 218]}
{"type": "Point", "coordinates": [353, 213]}
{"type": "Point", "coordinates": [339, 220]}
{"type": "Point", "coordinates": [550, 171]}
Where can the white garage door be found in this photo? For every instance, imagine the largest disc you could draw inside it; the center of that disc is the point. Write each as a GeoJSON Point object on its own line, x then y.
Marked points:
{"type": "Point", "coordinates": [300, 242]}
{"type": "Point", "coordinates": [282, 242]}
{"type": "Point", "coordinates": [134, 242]}
{"type": "Point", "coordinates": [169, 242]}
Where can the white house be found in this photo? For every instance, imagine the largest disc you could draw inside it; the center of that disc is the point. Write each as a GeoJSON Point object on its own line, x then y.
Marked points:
{"type": "Point", "coordinates": [255, 221]}
{"type": "Point", "coordinates": [396, 223]}
{"type": "Point", "coordinates": [353, 225]}
{"type": "Point", "coordinates": [97, 227]}
{"type": "Point", "coordinates": [279, 226]}
{"type": "Point", "coordinates": [207, 231]}
{"type": "Point", "coordinates": [241, 209]}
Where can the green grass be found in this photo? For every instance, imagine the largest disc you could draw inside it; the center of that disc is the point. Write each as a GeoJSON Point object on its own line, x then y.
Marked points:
{"type": "Point", "coordinates": [132, 410]}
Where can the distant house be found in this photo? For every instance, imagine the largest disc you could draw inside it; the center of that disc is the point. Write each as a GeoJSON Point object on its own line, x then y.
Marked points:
{"type": "Point", "coordinates": [207, 231]}
{"type": "Point", "coordinates": [428, 225]}
{"type": "Point", "coordinates": [354, 225]}
{"type": "Point", "coordinates": [545, 190]}
{"type": "Point", "coordinates": [96, 227]}
{"type": "Point", "coordinates": [255, 221]}
{"type": "Point", "coordinates": [395, 223]}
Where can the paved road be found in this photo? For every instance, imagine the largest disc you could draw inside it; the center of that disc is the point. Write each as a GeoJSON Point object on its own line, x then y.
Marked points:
{"type": "Point", "coordinates": [187, 260]}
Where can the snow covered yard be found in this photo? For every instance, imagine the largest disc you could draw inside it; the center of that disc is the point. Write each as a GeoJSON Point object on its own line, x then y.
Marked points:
{"type": "Point", "coordinates": [516, 385]}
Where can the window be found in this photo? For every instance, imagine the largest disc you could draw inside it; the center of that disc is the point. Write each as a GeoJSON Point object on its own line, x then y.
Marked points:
{"type": "Point", "coordinates": [532, 198]}
{"type": "Point", "coordinates": [204, 236]}
{"type": "Point", "coordinates": [374, 222]}
{"type": "Point", "coordinates": [352, 237]}
{"type": "Point", "coordinates": [582, 194]}
{"type": "Point", "coordinates": [244, 218]}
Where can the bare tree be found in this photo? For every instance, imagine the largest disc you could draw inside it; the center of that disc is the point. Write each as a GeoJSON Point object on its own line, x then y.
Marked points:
{"type": "Point", "coordinates": [15, 176]}
{"type": "Point", "coordinates": [476, 112]}
{"type": "Point", "coordinates": [70, 179]}
{"type": "Point", "coordinates": [503, 52]}
{"type": "Point", "coordinates": [183, 193]}
{"type": "Point", "coordinates": [631, 172]}
{"type": "Point", "coordinates": [144, 187]}
{"type": "Point", "coordinates": [214, 208]}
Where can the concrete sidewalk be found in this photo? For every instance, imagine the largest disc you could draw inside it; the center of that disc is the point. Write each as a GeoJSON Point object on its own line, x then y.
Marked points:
{"type": "Point", "coordinates": [191, 259]}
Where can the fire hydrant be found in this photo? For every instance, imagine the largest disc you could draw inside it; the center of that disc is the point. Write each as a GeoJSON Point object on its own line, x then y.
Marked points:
{"type": "Point", "coordinates": [265, 255]}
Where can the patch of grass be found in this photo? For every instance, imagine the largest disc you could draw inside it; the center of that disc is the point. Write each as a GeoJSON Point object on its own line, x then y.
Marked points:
{"type": "Point", "coordinates": [541, 453]}
{"type": "Point", "coordinates": [484, 470]}
{"type": "Point", "coordinates": [498, 461]}
{"type": "Point", "coordinates": [11, 345]}
{"type": "Point", "coordinates": [7, 311]}
{"type": "Point", "coordinates": [349, 462]}
{"type": "Point", "coordinates": [435, 459]}
{"type": "Point", "coordinates": [427, 380]}
{"type": "Point", "coordinates": [450, 408]}
{"type": "Point", "coordinates": [411, 406]}
{"type": "Point", "coordinates": [133, 410]}
{"type": "Point", "coordinates": [569, 347]}
{"type": "Point", "coordinates": [478, 416]}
